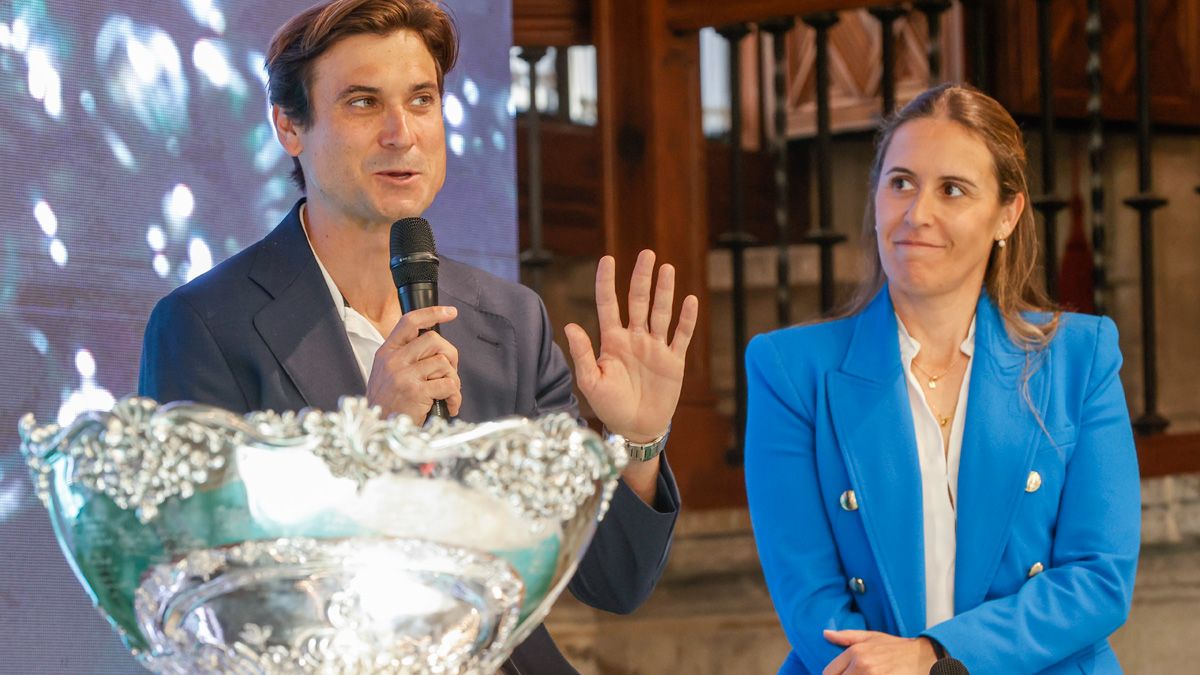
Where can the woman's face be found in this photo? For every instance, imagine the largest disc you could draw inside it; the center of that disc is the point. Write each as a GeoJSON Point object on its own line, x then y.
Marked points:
{"type": "Point", "coordinates": [937, 208]}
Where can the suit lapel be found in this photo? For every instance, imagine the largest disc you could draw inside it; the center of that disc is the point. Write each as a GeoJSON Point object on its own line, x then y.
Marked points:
{"type": "Point", "coordinates": [301, 326]}
{"type": "Point", "coordinates": [872, 420]}
{"type": "Point", "coordinates": [999, 441]}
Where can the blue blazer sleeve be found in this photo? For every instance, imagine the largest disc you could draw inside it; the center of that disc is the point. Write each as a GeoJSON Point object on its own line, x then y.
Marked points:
{"type": "Point", "coordinates": [1086, 591]}
{"type": "Point", "coordinates": [629, 552]}
{"type": "Point", "coordinates": [795, 540]}
{"type": "Point", "coordinates": [182, 361]}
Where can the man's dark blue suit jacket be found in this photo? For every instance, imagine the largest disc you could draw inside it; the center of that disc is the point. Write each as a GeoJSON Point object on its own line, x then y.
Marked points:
{"type": "Point", "coordinates": [260, 332]}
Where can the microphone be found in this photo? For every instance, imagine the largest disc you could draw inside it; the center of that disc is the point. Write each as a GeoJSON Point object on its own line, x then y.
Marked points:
{"type": "Point", "coordinates": [414, 266]}
{"type": "Point", "coordinates": [948, 665]}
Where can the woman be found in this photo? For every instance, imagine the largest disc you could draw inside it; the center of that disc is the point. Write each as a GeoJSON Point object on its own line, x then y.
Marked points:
{"type": "Point", "coordinates": [948, 468]}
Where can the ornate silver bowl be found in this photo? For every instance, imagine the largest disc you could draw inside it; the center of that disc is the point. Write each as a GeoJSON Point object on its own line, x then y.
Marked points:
{"type": "Point", "coordinates": [320, 542]}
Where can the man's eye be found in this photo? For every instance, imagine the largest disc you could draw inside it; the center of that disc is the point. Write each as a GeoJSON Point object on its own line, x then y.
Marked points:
{"type": "Point", "coordinates": [362, 102]}
{"type": "Point", "coordinates": [423, 99]}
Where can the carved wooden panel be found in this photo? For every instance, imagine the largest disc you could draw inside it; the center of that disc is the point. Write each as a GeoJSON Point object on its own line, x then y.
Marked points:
{"type": "Point", "coordinates": [1174, 29]}
{"type": "Point", "coordinates": [552, 23]}
{"type": "Point", "coordinates": [855, 71]}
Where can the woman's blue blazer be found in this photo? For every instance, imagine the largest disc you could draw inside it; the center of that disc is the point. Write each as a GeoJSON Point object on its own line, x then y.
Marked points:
{"type": "Point", "coordinates": [829, 412]}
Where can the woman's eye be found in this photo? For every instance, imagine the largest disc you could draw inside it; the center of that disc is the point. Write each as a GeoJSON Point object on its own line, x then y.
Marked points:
{"type": "Point", "coordinates": [899, 183]}
{"type": "Point", "coordinates": [953, 190]}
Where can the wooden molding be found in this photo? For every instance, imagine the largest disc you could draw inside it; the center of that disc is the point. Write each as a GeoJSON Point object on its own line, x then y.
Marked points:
{"type": "Point", "coordinates": [1167, 454]}
{"type": "Point", "coordinates": [692, 15]}
{"type": "Point", "coordinates": [552, 23]}
{"type": "Point", "coordinates": [1174, 27]}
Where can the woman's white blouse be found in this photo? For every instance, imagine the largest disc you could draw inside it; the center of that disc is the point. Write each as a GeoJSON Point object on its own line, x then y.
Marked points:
{"type": "Point", "coordinates": [939, 477]}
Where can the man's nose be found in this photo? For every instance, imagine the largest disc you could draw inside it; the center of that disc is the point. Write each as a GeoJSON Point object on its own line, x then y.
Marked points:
{"type": "Point", "coordinates": [397, 129]}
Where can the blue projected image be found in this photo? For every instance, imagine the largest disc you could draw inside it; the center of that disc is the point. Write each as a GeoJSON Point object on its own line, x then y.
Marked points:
{"type": "Point", "coordinates": [137, 153]}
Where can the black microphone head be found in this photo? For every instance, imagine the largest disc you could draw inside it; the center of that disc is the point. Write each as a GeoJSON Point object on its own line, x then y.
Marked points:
{"type": "Point", "coordinates": [948, 666]}
{"type": "Point", "coordinates": [414, 257]}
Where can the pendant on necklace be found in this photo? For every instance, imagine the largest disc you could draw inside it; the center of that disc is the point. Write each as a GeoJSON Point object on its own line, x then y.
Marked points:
{"type": "Point", "coordinates": [943, 421]}
{"type": "Point", "coordinates": [933, 382]}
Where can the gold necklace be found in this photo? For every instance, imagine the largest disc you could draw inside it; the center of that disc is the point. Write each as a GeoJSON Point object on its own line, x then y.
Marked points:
{"type": "Point", "coordinates": [933, 379]}
{"type": "Point", "coordinates": [942, 420]}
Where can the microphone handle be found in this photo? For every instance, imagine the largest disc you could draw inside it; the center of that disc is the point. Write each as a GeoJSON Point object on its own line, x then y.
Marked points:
{"type": "Point", "coordinates": [419, 295]}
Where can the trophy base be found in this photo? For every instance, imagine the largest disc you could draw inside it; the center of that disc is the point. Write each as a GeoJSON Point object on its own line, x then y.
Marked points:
{"type": "Point", "coordinates": [350, 607]}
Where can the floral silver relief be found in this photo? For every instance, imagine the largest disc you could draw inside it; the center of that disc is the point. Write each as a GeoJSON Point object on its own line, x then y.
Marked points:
{"type": "Point", "coordinates": [321, 541]}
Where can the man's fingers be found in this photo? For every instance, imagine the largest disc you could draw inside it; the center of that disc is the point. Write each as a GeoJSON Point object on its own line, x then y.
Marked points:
{"type": "Point", "coordinates": [581, 353]}
{"type": "Point", "coordinates": [412, 323]}
{"type": "Point", "coordinates": [607, 309]}
{"type": "Point", "coordinates": [431, 344]}
{"type": "Point", "coordinates": [687, 325]}
{"type": "Point", "coordinates": [664, 299]}
{"type": "Point", "coordinates": [639, 291]}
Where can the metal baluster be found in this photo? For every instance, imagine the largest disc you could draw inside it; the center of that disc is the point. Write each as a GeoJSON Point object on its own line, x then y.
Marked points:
{"type": "Point", "coordinates": [1145, 202]}
{"type": "Point", "coordinates": [932, 9]}
{"type": "Point", "coordinates": [779, 28]}
{"type": "Point", "coordinates": [1048, 203]}
{"type": "Point", "coordinates": [736, 239]}
{"type": "Point", "coordinates": [535, 258]}
{"type": "Point", "coordinates": [824, 236]}
{"type": "Point", "coordinates": [887, 16]}
{"type": "Point", "coordinates": [562, 83]}
{"type": "Point", "coordinates": [1096, 161]}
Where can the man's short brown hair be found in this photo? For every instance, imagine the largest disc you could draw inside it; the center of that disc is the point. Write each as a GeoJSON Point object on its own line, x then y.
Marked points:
{"type": "Point", "coordinates": [297, 45]}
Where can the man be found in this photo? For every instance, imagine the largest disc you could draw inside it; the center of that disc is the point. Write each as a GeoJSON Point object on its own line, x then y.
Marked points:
{"type": "Point", "coordinates": [300, 318]}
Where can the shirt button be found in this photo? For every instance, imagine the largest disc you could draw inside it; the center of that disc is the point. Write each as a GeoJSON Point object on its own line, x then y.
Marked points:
{"type": "Point", "coordinates": [848, 501]}
{"type": "Point", "coordinates": [1033, 482]}
{"type": "Point", "coordinates": [857, 585]}
{"type": "Point", "coordinates": [1036, 569]}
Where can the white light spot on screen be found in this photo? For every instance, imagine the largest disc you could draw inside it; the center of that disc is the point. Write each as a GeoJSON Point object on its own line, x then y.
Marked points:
{"type": "Point", "coordinates": [39, 341]}
{"type": "Point", "coordinates": [471, 91]}
{"type": "Point", "coordinates": [87, 102]}
{"type": "Point", "coordinates": [453, 110]}
{"type": "Point", "coordinates": [216, 20]}
{"type": "Point", "coordinates": [199, 258]}
{"type": "Point", "coordinates": [6, 36]}
{"type": "Point", "coordinates": [58, 252]}
{"type": "Point", "coordinates": [44, 82]}
{"type": "Point", "coordinates": [162, 266]}
{"type": "Point", "coordinates": [510, 106]}
{"type": "Point", "coordinates": [120, 150]}
{"type": "Point", "coordinates": [257, 63]}
{"type": "Point", "coordinates": [209, 60]}
{"type": "Point", "coordinates": [85, 363]}
{"type": "Point", "coordinates": [46, 218]}
{"type": "Point", "coordinates": [498, 141]}
{"type": "Point", "coordinates": [142, 60]}
{"type": "Point", "coordinates": [165, 53]}
{"type": "Point", "coordinates": [457, 144]}
{"type": "Point", "coordinates": [178, 204]}
{"type": "Point", "coordinates": [88, 396]}
{"type": "Point", "coordinates": [20, 34]}
{"type": "Point", "coordinates": [156, 238]}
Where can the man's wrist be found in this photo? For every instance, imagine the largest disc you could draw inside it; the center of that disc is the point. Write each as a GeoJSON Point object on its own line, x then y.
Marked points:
{"type": "Point", "coordinates": [643, 451]}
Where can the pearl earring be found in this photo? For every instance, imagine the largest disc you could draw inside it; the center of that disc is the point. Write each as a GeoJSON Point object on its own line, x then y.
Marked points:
{"type": "Point", "coordinates": [1001, 243]}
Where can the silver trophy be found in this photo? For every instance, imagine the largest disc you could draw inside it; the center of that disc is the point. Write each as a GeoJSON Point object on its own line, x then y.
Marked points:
{"type": "Point", "coordinates": [320, 542]}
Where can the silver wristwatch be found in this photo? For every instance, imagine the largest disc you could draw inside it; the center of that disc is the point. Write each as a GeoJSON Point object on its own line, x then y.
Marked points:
{"type": "Point", "coordinates": [641, 452]}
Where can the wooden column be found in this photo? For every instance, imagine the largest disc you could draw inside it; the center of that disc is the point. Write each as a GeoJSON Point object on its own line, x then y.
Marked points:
{"type": "Point", "coordinates": [654, 196]}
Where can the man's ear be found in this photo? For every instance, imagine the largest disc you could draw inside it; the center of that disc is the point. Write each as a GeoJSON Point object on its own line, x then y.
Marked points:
{"type": "Point", "coordinates": [287, 131]}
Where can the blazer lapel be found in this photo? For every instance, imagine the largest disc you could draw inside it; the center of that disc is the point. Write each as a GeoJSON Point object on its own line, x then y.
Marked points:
{"type": "Point", "coordinates": [999, 442]}
{"type": "Point", "coordinates": [301, 326]}
{"type": "Point", "coordinates": [872, 420]}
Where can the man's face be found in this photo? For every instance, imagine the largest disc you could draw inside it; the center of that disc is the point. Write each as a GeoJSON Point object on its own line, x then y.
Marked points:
{"type": "Point", "coordinates": [375, 151]}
